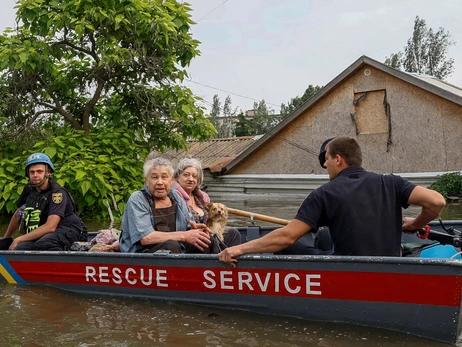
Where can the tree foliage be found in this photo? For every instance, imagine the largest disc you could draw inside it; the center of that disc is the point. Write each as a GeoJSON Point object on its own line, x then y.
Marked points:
{"type": "Point", "coordinates": [258, 121]}
{"type": "Point", "coordinates": [228, 110]}
{"type": "Point", "coordinates": [294, 103]}
{"type": "Point", "coordinates": [394, 60]}
{"type": "Point", "coordinates": [222, 117]}
{"type": "Point", "coordinates": [449, 184]}
{"type": "Point", "coordinates": [97, 169]}
{"type": "Point", "coordinates": [264, 118]}
{"type": "Point", "coordinates": [101, 63]}
{"type": "Point", "coordinates": [216, 107]}
{"type": "Point", "coordinates": [243, 126]}
{"type": "Point", "coordinates": [426, 52]}
{"type": "Point", "coordinates": [215, 115]}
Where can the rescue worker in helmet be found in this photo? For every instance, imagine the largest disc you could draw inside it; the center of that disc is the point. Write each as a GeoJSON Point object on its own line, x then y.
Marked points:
{"type": "Point", "coordinates": [46, 214]}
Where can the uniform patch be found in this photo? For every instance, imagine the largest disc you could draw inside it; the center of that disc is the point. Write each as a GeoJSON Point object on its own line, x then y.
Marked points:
{"type": "Point", "coordinates": [57, 198]}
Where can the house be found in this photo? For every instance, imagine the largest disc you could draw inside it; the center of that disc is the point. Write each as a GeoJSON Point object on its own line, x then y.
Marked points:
{"type": "Point", "coordinates": [214, 154]}
{"type": "Point", "coordinates": [405, 123]}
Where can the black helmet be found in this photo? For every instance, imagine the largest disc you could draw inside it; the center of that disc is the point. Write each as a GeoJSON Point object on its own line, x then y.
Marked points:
{"type": "Point", "coordinates": [322, 152]}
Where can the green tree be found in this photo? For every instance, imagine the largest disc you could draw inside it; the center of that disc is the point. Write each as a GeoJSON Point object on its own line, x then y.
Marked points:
{"type": "Point", "coordinates": [229, 113]}
{"type": "Point", "coordinates": [294, 103]}
{"type": "Point", "coordinates": [215, 115]}
{"type": "Point", "coordinates": [221, 117]}
{"type": "Point", "coordinates": [216, 107]}
{"type": "Point", "coordinates": [97, 169]}
{"type": "Point", "coordinates": [394, 60]}
{"type": "Point", "coordinates": [426, 52]}
{"type": "Point", "coordinates": [228, 110]}
{"type": "Point", "coordinates": [449, 184]}
{"type": "Point", "coordinates": [264, 118]}
{"type": "Point", "coordinates": [243, 126]}
{"type": "Point", "coordinates": [101, 63]}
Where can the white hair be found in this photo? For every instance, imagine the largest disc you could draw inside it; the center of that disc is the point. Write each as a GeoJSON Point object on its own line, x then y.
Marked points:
{"type": "Point", "coordinates": [155, 163]}
{"type": "Point", "coordinates": [190, 162]}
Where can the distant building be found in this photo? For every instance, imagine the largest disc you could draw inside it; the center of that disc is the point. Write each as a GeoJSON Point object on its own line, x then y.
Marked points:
{"type": "Point", "coordinates": [406, 123]}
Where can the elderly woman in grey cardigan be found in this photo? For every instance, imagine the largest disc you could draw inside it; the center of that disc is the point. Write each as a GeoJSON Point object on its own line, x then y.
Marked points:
{"type": "Point", "coordinates": [188, 180]}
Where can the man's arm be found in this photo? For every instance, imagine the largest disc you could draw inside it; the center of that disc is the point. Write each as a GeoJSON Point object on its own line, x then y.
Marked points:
{"type": "Point", "coordinates": [431, 202]}
{"type": "Point", "coordinates": [272, 242]}
{"type": "Point", "coordinates": [200, 238]}
{"type": "Point", "coordinates": [49, 227]}
{"type": "Point", "coordinates": [14, 224]}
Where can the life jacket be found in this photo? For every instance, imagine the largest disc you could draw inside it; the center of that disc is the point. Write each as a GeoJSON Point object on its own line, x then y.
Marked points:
{"type": "Point", "coordinates": [35, 211]}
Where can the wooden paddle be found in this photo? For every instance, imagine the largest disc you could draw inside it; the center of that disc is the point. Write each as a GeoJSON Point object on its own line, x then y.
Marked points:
{"type": "Point", "coordinates": [258, 216]}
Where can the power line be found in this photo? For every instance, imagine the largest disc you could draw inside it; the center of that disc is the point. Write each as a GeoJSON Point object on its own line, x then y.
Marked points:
{"type": "Point", "coordinates": [224, 2]}
{"type": "Point", "coordinates": [273, 135]}
{"type": "Point", "coordinates": [225, 91]}
{"type": "Point", "coordinates": [208, 103]}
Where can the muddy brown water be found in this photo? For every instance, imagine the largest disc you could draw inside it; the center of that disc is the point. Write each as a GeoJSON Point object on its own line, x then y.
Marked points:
{"type": "Point", "coordinates": [42, 316]}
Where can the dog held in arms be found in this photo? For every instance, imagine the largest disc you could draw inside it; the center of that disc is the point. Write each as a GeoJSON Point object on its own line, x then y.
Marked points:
{"type": "Point", "coordinates": [218, 216]}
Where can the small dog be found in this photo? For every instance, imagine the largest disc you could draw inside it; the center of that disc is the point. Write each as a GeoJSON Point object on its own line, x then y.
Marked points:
{"type": "Point", "coordinates": [218, 216]}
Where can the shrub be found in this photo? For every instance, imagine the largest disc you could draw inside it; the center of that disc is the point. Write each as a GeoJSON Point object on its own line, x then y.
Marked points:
{"type": "Point", "coordinates": [448, 184]}
{"type": "Point", "coordinates": [102, 168]}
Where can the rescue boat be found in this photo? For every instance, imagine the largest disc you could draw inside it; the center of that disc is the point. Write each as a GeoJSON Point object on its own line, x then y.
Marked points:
{"type": "Point", "coordinates": [419, 295]}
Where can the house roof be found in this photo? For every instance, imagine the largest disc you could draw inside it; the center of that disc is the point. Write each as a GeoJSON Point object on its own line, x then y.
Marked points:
{"type": "Point", "coordinates": [428, 83]}
{"type": "Point", "coordinates": [214, 154]}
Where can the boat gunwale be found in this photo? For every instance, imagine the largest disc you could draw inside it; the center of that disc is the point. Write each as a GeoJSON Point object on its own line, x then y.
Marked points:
{"type": "Point", "coordinates": [249, 257]}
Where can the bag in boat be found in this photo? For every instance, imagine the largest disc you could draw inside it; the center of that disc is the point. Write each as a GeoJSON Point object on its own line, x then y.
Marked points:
{"type": "Point", "coordinates": [107, 236]}
{"type": "Point", "coordinates": [434, 250]}
{"type": "Point", "coordinates": [99, 247]}
{"type": "Point", "coordinates": [80, 246]}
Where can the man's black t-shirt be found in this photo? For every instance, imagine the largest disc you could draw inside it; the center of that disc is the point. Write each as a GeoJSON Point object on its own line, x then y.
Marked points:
{"type": "Point", "coordinates": [362, 210]}
{"type": "Point", "coordinates": [54, 200]}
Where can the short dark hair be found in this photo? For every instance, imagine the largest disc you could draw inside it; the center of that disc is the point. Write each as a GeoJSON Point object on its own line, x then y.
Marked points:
{"type": "Point", "coordinates": [346, 147]}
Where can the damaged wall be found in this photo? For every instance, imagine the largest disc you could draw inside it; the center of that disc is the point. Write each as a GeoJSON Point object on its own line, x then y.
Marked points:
{"type": "Point", "coordinates": [401, 128]}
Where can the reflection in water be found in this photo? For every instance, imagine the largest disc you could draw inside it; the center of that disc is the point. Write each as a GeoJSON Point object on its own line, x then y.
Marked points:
{"type": "Point", "coordinates": [42, 316]}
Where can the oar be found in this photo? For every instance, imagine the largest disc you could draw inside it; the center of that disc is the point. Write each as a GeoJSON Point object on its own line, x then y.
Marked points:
{"type": "Point", "coordinates": [258, 216]}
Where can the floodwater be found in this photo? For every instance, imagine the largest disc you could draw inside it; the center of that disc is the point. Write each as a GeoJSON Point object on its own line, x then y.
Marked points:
{"type": "Point", "coordinates": [42, 316]}
{"type": "Point", "coordinates": [287, 209]}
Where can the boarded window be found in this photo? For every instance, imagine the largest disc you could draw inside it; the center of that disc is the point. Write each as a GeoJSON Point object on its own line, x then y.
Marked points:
{"type": "Point", "coordinates": [370, 113]}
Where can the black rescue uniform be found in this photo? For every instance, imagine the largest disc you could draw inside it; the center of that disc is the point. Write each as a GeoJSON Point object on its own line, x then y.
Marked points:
{"type": "Point", "coordinates": [362, 210]}
{"type": "Point", "coordinates": [36, 206]}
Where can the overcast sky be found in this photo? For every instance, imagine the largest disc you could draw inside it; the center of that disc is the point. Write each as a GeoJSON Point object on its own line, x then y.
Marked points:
{"type": "Point", "coordinates": [273, 49]}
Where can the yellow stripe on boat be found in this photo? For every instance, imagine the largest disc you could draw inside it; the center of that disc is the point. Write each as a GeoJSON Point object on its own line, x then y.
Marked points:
{"type": "Point", "coordinates": [6, 275]}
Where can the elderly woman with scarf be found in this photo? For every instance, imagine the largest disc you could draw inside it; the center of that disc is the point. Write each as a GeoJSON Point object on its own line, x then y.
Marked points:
{"type": "Point", "coordinates": [188, 179]}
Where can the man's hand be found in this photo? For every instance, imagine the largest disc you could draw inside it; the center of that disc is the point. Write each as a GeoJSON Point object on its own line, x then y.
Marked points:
{"type": "Point", "coordinates": [199, 238]}
{"type": "Point", "coordinates": [408, 224]}
{"type": "Point", "coordinates": [15, 243]}
{"type": "Point", "coordinates": [199, 226]}
{"type": "Point", "coordinates": [228, 255]}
